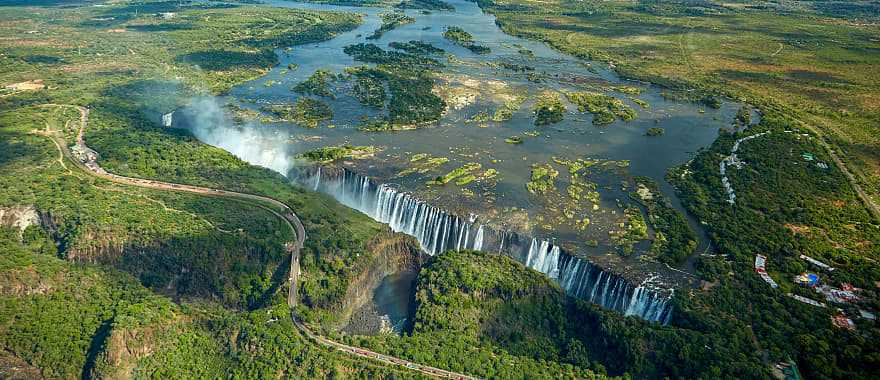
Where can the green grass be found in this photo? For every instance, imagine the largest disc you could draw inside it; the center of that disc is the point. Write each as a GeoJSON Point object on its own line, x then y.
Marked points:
{"type": "Point", "coordinates": [810, 63]}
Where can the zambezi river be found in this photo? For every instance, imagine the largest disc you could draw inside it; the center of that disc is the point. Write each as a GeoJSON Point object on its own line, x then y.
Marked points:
{"type": "Point", "coordinates": [496, 213]}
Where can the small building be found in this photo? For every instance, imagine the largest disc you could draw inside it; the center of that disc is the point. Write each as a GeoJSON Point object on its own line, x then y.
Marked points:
{"type": "Point", "coordinates": [842, 322]}
{"type": "Point", "coordinates": [807, 279]}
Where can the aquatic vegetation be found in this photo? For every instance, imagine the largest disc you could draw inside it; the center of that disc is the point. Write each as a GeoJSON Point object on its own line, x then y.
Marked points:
{"type": "Point", "coordinates": [603, 107]}
{"type": "Point", "coordinates": [514, 140]}
{"type": "Point", "coordinates": [463, 173]}
{"type": "Point", "coordinates": [632, 230]}
{"type": "Point", "coordinates": [390, 20]}
{"type": "Point", "coordinates": [543, 179]}
{"type": "Point", "coordinates": [369, 86]}
{"type": "Point", "coordinates": [549, 108]}
{"type": "Point", "coordinates": [240, 114]}
{"type": "Point", "coordinates": [306, 112]}
{"type": "Point", "coordinates": [423, 163]}
{"type": "Point", "coordinates": [317, 84]}
{"type": "Point", "coordinates": [628, 90]}
{"type": "Point", "coordinates": [461, 37]}
{"type": "Point", "coordinates": [655, 131]}
{"type": "Point", "coordinates": [640, 102]}
{"type": "Point", "coordinates": [330, 154]}
{"type": "Point", "coordinates": [743, 116]}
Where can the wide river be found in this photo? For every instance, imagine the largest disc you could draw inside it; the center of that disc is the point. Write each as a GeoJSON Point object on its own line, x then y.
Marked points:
{"type": "Point", "coordinates": [472, 84]}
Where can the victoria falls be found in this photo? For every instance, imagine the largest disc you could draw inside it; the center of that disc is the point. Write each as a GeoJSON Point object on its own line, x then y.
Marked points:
{"type": "Point", "coordinates": [388, 189]}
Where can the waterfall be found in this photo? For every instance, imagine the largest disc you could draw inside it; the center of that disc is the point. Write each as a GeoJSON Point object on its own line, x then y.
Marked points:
{"type": "Point", "coordinates": [167, 119]}
{"type": "Point", "coordinates": [478, 240]}
{"type": "Point", "coordinates": [438, 231]}
{"type": "Point", "coordinates": [317, 179]}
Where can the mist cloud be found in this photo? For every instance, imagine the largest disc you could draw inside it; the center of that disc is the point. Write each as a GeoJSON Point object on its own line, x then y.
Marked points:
{"type": "Point", "coordinates": [258, 145]}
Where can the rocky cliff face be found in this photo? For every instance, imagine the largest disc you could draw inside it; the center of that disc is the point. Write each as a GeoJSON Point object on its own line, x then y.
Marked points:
{"type": "Point", "coordinates": [19, 217]}
{"type": "Point", "coordinates": [395, 253]}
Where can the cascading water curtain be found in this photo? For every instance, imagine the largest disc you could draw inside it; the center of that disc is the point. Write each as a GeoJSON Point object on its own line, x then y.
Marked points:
{"type": "Point", "coordinates": [438, 231]}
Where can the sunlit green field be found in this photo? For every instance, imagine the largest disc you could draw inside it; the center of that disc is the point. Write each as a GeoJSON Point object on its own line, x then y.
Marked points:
{"type": "Point", "coordinates": [815, 60]}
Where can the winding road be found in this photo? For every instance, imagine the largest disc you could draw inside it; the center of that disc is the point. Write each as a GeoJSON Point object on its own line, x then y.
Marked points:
{"type": "Point", "coordinates": [87, 159]}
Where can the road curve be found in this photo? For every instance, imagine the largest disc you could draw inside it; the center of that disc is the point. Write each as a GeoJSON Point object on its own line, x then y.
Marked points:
{"type": "Point", "coordinates": [87, 159]}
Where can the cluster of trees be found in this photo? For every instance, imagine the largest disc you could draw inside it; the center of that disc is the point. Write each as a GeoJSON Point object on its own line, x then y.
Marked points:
{"type": "Point", "coordinates": [786, 205]}
{"type": "Point", "coordinates": [390, 20]}
{"type": "Point", "coordinates": [409, 79]}
{"type": "Point", "coordinates": [674, 240]}
{"type": "Point", "coordinates": [549, 109]}
{"type": "Point", "coordinates": [306, 112]}
{"type": "Point", "coordinates": [489, 316]}
{"type": "Point", "coordinates": [603, 107]}
{"type": "Point", "coordinates": [434, 5]}
{"type": "Point", "coordinates": [317, 84]}
{"type": "Point", "coordinates": [465, 39]}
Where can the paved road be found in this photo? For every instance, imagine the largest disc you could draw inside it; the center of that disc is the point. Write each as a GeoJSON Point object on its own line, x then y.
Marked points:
{"type": "Point", "coordinates": [86, 158]}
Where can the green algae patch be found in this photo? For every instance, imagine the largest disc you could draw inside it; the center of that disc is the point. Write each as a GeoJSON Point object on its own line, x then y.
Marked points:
{"type": "Point", "coordinates": [641, 103]}
{"type": "Point", "coordinates": [603, 107]}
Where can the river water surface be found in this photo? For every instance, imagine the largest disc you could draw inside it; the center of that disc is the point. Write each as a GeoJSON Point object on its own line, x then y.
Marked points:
{"type": "Point", "coordinates": [472, 83]}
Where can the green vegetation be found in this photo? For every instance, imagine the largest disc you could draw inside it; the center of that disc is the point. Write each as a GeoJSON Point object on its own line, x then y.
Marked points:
{"type": "Point", "coordinates": [549, 108]}
{"type": "Point", "coordinates": [409, 79]}
{"type": "Point", "coordinates": [463, 175]}
{"type": "Point", "coordinates": [674, 240]}
{"type": "Point", "coordinates": [458, 35]}
{"type": "Point", "coordinates": [543, 179]}
{"type": "Point", "coordinates": [655, 131]}
{"type": "Point", "coordinates": [423, 163]}
{"type": "Point", "coordinates": [374, 54]}
{"type": "Point", "coordinates": [807, 59]}
{"type": "Point", "coordinates": [369, 86]}
{"type": "Point", "coordinates": [463, 38]}
{"type": "Point", "coordinates": [317, 84]}
{"type": "Point", "coordinates": [306, 112]}
{"type": "Point", "coordinates": [390, 20]}
{"type": "Point", "coordinates": [330, 154]}
{"type": "Point", "coordinates": [488, 316]}
{"type": "Point", "coordinates": [416, 47]}
{"type": "Point", "coordinates": [785, 206]}
{"type": "Point", "coordinates": [204, 46]}
{"type": "Point", "coordinates": [68, 320]}
{"type": "Point", "coordinates": [434, 5]}
{"type": "Point", "coordinates": [603, 107]}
